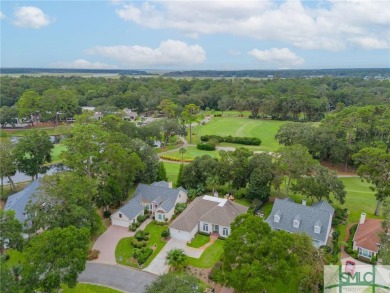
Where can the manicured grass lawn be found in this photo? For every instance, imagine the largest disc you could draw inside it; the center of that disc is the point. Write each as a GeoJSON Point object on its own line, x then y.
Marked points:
{"type": "Point", "coordinates": [236, 126]}
{"type": "Point", "coordinates": [56, 152]}
{"type": "Point", "coordinates": [243, 201]}
{"type": "Point", "coordinates": [167, 148]}
{"type": "Point", "coordinates": [199, 241]}
{"type": "Point", "coordinates": [88, 288]}
{"type": "Point", "coordinates": [266, 209]}
{"type": "Point", "coordinates": [191, 153]}
{"type": "Point", "coordinates": [172, 170]}
{"type": "Point", "coordinates": [209, 257]}
{"type": "Point", "coordinates": [124, 250]}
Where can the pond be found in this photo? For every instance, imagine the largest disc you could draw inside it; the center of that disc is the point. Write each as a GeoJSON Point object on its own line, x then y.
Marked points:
{"type": "Point", "coordinates": [48, 170]}
{"type": "Point", "coordinates": [53, 138]}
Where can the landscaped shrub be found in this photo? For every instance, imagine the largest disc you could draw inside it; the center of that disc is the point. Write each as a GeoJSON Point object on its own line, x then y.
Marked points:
{"type": "Point", "coordinates": [132, 227]}
{"type": "Point", "coordinates": [340, 217]}
{"type": "Point", "coordinates": [159, 223]}
{"type": "Point", "coordinates": [138, 244]}
{"type": "Point", "coordinates": [180, 207]}
{"type": "Point", "coordinates": [349, 244]}
{"type": "Point", "coordinates": [232, 139]}
{"type": "Point", "coordinates": [142, 254]}
{"type": "Point", "coordinates": [93, 254]}
{"type": "Point", "coordinates": [169, 158]}
{"type": "Point", "coordinates": [165, 233]}
{"type": "Point", "coordinates": [205, 146]}
{"type": "Point", "coordinates": [142, 218]}
{"type": "Point", "coordinates": [106, 214]}
{"type": "Point", "coordinates": [141, 235]}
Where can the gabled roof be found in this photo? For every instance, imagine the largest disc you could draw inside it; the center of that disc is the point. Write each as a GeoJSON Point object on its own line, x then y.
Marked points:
{"type": "Point", "coordinates": [208, 209]}
{"type": "Point", "coordinates": [367, 234]}
{"type": "Point", "coordinates": [158, 192]}
{"type": "Point", "coordinates": [18, 201]}
{"type": "Point", "coordinates": [309, 216]}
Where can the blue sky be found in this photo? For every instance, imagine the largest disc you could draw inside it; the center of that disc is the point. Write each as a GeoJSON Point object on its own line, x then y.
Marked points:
{"type": "Point", "coordinates": [186, 35]}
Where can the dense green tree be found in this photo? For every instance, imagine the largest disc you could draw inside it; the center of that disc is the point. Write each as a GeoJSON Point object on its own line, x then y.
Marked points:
{"type": "Point", "coordinates": [171, 127]}
{"type": "Point", "coordinates": [10, 231]}
{"type": "Point", "coordinates": [295, 133]}
{"type": "Point", "coordinates": [182, 151]}
{"type": "Point", "coordinates": [374, 167]}
{"type": "Point", "coordinates": [320, 184]}
{"type": "Point", "coordinates": [176, 259]}
{"type": "Point", "coordinates": [196, 173]}
{"type": "Point", "coordinates": [262, 173]}
{"type": "Point", "coordinates": [162, 173]}
{"type": "Point", "coordinates": [8, 116]}
{"type": "Point", "coordinates": [180, 175]}
{"type": "Point", "coordinates": [9, 283]}
{"type": "Point", "coordinates": [234, 167]}
{"type": "Point", "coordinates": [58, 204]}
{"type": "Point", "coordinates": [151, 132]}
{"type": "Point", "coordinates": [384, 253]}
{"type": "Point", "coordinates": [255, 256]}
{"type": "Point", "coordinates": [32, 151]}
{"type": "Point", "coordinates": [7, 162]}
{"type": "Point", "coordinates": [28, 106]}
{"type": "Point", "coordinates": [191, 114]}
{"type": "Point", "coordinates": [295, 161]}
{"type": "Point", "coordinates": [149, 158]}
{"type": "Point", "coordinates": [168, 107]}
{"type": "Point", "coordinates": [175, 283]}
{"type": "Point", "coordinates": [55, 257]}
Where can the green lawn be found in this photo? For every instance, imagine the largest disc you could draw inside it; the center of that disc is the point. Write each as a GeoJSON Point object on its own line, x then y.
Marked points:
{"type": "Point", "coordinates": [191, 153]}
{"type": "Point", "coordinates": [88, 288]}
{"type": "Point", "coordinates": [172, 170]}
{"type": "Point", "coordinates": [236, 126]}
{"type": "Point", "coordinates": [199, 241]}
{"type": "Point", "coordinates": [209, 257]}
{"type": "Point", "coordinates": [124, 250]}
{"type": "Point", "coordinates": [56, 152]}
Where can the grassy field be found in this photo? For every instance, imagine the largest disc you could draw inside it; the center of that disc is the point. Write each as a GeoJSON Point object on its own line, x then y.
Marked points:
{"type": "Point", "coordinates": [209, 257]}
{"type": "Point", "coordinates": [56, 152]}
{"type": "Point", "coordinates": [172, 170]}
{"type": "Point", "coordinates": [236, 126]}
{"type": "Point", "coordinates": [88, 288]}
{"type": "Point", "coordinates": [191, 153]}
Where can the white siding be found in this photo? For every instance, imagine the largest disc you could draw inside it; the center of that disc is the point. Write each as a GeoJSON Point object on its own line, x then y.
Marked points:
{"type": "Point", "coordinates": [210, 228]}
{"type": "Point", "coordinates": [183, 235]}
{"type": "Point", "coordinates": [117, 221]}
{"type": "Point", "coordinates": [182, 198]}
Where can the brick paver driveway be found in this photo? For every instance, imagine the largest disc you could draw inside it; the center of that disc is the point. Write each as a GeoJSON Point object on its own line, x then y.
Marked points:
{"type": "Point", "coordinates": [107, 242]}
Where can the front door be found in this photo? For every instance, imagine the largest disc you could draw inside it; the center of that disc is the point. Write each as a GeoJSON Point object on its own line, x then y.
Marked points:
{"type": "Point", "coordinates": [216, 228]}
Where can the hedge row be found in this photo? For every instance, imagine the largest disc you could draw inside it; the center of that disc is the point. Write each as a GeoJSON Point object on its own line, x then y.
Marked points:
{"type": "Point", "coordinates": [233, 139]}
{"type": "Point", "coordinates": [168, 158]}
{"type": "Point", "coordinates": [205, 146]}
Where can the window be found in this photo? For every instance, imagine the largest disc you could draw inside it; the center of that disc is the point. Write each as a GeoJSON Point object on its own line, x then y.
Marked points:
{"type": "Point", "coordinates": [225, 231]}
{"type": "Point", "coordinates": [206, 227]}
{"type": "Point", "coordinates": [365, 253]}
{"type": "Point", "coordinates": [296, 224]}
{"type": "Point", "coordinates": [317, 229]}
{"type": "Point", "coordinates": [120, 216]}
{"type": "Point", "coordinates": [147, 206]}
{"type": "Point", "coordinates": [161, 216]}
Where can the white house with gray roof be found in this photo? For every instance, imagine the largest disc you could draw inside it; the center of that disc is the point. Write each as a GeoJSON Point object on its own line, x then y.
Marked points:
{"type": "Point", "coordinates": [207, 214]}
{"type": "Point", "coordinates": [159, 198]}
{"type": "Point", "coordinates": [314, 220]}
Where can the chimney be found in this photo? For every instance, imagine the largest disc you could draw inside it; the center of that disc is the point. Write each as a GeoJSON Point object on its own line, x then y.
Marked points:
{"type": "Point", "coordinates": [362, 218]}
{"type": "Point", "coordinates": [303, 202]}
{"type": "Point", "coordinates": [170, 184]}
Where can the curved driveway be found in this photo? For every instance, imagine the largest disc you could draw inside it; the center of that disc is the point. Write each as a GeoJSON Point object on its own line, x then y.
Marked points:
{"type": "Point", "coordinates": [116, 276]}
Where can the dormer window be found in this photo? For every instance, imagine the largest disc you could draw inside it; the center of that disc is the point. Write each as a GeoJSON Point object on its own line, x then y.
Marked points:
{"type": "Point", "coordinates": [317, 227]}
{"type": "Point", "coordinates": [297, 221]}
{"type": "Point", "coordinates": [277, 216]}
{"type": "Point", "coordinates": [120, 216]}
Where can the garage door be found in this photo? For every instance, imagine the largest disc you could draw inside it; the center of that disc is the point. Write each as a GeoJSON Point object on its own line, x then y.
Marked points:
{"type": "Point", "coordinates": [182, 235]}
{"type": "Point", "coordinates": [119, 222]}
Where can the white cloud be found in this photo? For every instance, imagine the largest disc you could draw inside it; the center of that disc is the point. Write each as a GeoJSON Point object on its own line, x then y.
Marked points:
{"type": "Point", "coordinates": [2, 15]}
{"type": "Point", "coordinates": [331, 26]}
{"type": "Point", "coordinates": [83, 64]}
{"type": "Point", "coordinates": [370, 43]}
{"type": "Point", "coordinates": [30, 17]}
{"type": "Point", "coordinates": [169, 53]}
{"type": "Point", "coordinates": [280, 57]}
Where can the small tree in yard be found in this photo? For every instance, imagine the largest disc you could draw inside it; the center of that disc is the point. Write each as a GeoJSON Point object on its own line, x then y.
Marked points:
{"type": "Point", "coordinates": [171, 283]}
{"type": "Point", "coordinates": [176, 259]}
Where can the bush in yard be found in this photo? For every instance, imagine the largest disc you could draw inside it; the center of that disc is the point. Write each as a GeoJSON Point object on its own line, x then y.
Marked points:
{"type": "Point", "coordinates": [138, 244]}
{"type": "Point", "coordinates": [180, 207]}
{"type": "Point", "coordinates": [205, 146]}
{"type": "Point", "coordinates": [93, 254]}
{"type": "Point", "coordinates": [165, 233]}
{"type": "Point", "coordinates": [142, 218]}
{"type": "Point", "coordinates": [141, 235]}
{"type": "Point", "coordinates": [106, 214]}
{"type": "Point", "coordinates": [132, 227]}
{"type": "Point", "coordinates": [142, 254]}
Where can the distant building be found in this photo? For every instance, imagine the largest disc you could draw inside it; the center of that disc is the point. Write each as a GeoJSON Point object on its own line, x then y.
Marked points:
{"type": "Point", "coordinates": [315, 220]}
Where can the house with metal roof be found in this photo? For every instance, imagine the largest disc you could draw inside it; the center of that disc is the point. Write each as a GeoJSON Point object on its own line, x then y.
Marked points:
{"type": "Point", "coordinates": [314, 220]}
{"type": "Point", "coordinates": [207, 214]}
{"type": "Point", "coordinates": [159, 198]}
{"type": "Point", "coordinates": [18, 201]}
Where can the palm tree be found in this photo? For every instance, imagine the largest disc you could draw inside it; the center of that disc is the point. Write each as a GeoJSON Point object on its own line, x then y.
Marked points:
{"type": "Point", "coordinates": [182, 151]}
{"type": "Point", "coordinates": [176, 259]}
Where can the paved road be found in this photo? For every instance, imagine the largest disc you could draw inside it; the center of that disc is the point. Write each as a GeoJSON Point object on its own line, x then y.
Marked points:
{"type": "Point", "coordinates": [116, 276]}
